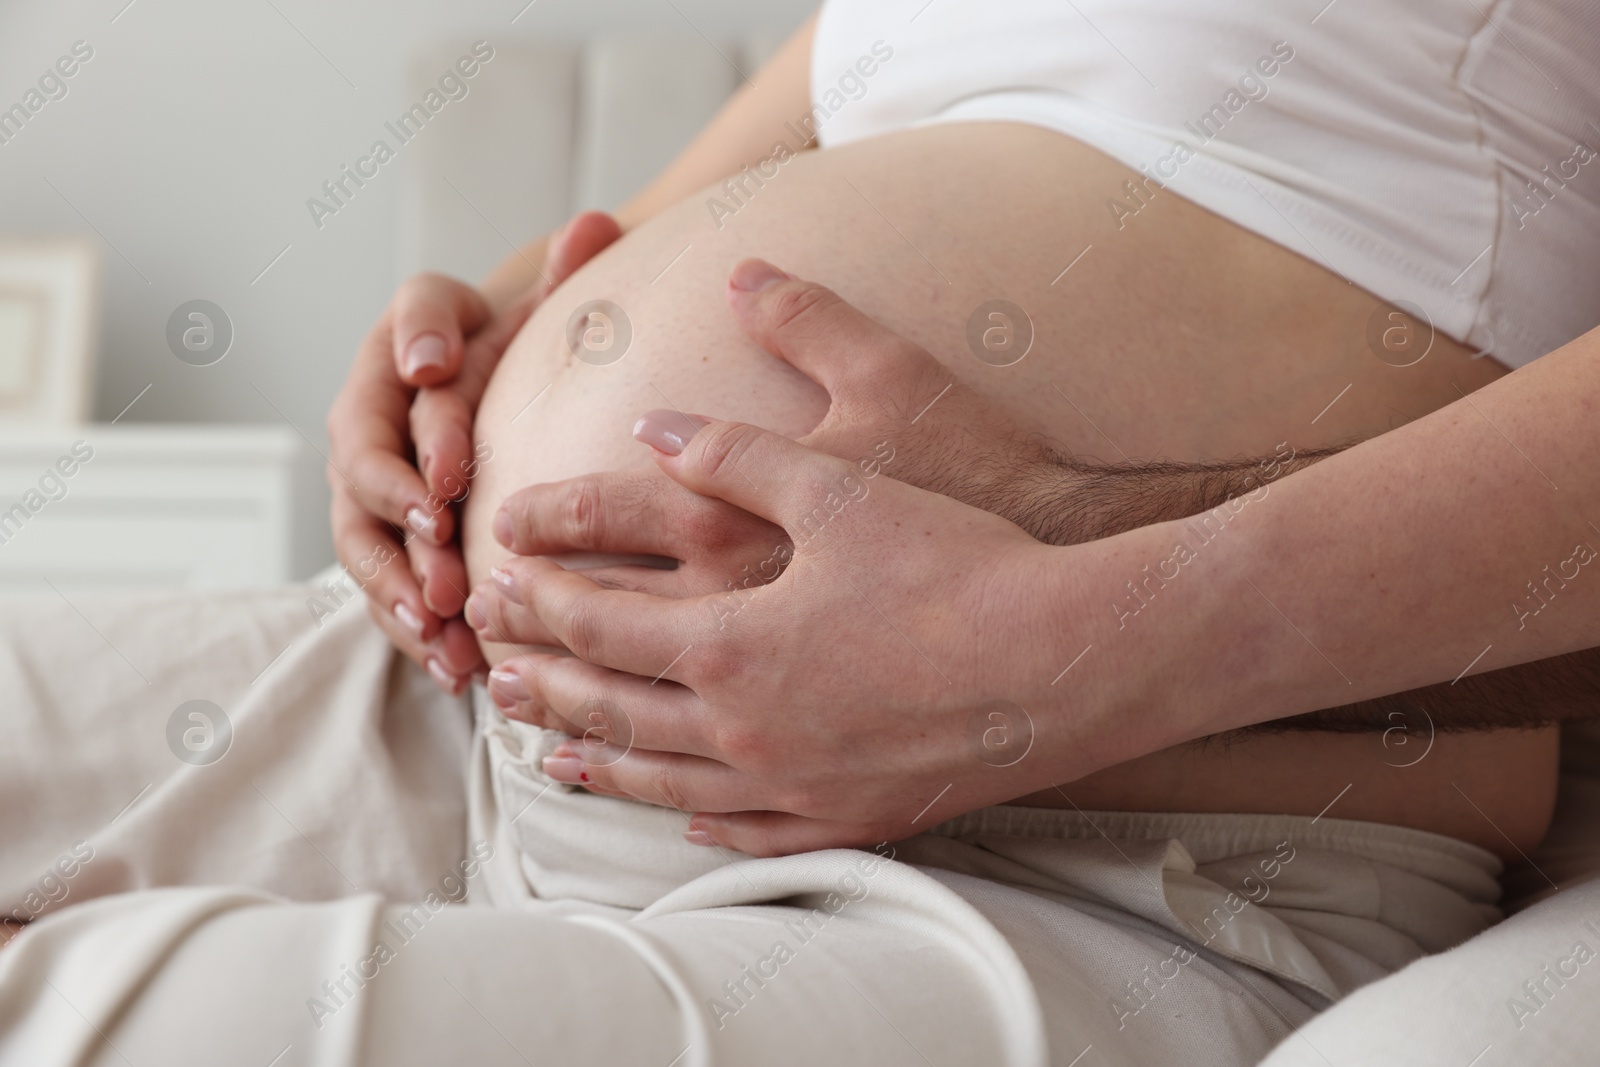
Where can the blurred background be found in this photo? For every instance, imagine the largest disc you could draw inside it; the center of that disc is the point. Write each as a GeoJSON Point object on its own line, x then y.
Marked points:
{"type": "Point", "coordinates": [168, 177]}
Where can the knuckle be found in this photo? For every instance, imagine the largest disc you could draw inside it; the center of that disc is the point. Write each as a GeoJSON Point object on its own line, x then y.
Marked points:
{"type": "Point", "coordinates": [710, 527]}
{"type": "Point", "coordinates": [795, 308]}
{"type": "Point", "coordinates": [583, 512]}
{"type": "Point", "coordinates": [665, 781]}
{"type": "Point", "coordinates": [749, 750]}
{"type": "Point", "coordinates": [722, 445]}
{"type": "Point", "coordinates": [903, 369]}
{"type": "Point", "coordinates": [717, 665]}
{"type": "Point", "coordinates": [636, 494]}
{"type": "Point", "coordinates": [580, 630]}
{"type": "Point", "coordinates": [801, 798]}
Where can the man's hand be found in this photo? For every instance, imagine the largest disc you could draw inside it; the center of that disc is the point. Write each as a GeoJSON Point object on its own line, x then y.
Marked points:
{"type": "Point", "coordinates": [401, 440]}
{"type": "Point", "coordinates": [875, 688]}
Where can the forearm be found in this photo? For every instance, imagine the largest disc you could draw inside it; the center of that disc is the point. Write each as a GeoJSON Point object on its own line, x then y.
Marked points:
{"type": "Point", "coordinates": [1069, 501]}
{"type": "Point", "coordinates": [1441, 549]}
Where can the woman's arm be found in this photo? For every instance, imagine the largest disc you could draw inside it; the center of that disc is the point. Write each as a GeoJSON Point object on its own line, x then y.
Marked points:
{"type": "Point", "coordinates": [742, 133]}
{"type": "Point", "coordinates": [398, 454]}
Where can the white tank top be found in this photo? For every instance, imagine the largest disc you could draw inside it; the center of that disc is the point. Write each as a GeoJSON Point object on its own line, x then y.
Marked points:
{"type": "Point", "coordinates": [1443, 153]}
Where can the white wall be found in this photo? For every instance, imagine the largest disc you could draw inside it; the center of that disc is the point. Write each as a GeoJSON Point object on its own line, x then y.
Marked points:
{"type": "Point", "coordinates": [189, 144]}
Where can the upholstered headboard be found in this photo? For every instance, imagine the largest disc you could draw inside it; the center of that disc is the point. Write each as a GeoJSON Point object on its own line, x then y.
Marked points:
{"type": "Point", "coordinates": [550, 129]}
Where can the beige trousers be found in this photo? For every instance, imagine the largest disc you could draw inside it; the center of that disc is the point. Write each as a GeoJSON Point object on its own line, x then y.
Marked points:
{"type": "Point", "coordinates": [243, 830]}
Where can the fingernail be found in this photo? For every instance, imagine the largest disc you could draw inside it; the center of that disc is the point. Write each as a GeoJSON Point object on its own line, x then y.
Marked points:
{"type": "Point", "coordinates": [447, 681]}
{"type": "Point", "coordinates": [564, 769]}
{"type": "Point", "coordinates": [474, 612]}
{"type": "Point", "coordinates": [699, 837]}
{"type": "Point", "coordinates": [754, 275]}
{"type": "Point", "coordinates": [408, 618]}
{"type": "Point", "coordinates": [425, 352]}
{"type": "Point", "coordinates": [565, 751]}
{"type": "Point", "coordinates": [667, 431]}
{"type": "Point", "coordinates": [508, 684]}
{"type": "Point", "coordinates": [503, 530]}
{"type": "Point", "coordinates": [428, 601]}
{"type": "Point", "coordinates": [423, 524]}
{"type": "Point", "coordinates": [506, 583]}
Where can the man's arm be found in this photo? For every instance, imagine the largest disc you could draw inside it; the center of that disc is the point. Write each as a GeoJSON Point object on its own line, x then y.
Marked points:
{"type": "Point", "coordinates": [1064, 501]}
{"type": "Point", "coordinates": [1460, 543]}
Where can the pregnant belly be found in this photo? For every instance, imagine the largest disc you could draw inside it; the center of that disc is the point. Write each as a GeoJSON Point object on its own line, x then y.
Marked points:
{"type": "Point", "coordinates": [1174, 334]}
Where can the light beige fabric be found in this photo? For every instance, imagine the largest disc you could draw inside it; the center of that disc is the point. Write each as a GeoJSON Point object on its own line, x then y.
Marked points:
{"type": "Point", "coordinates": [294, 898]}
{"type": "Point", "coordinates": [344, 772]}
{"type": "Point", "coordinates": [1522, 993]}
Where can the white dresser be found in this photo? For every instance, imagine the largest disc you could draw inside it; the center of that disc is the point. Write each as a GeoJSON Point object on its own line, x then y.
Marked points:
{"type": "Point", "coordinates": [197, 507]}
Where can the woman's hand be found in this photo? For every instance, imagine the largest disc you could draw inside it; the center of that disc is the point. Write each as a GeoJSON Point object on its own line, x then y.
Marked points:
{"type": "Point", "coordinates": [889, 678]}
{"type": "Point", "coordinates": [401, 441]}
{"type": "Point", "coordinates": [892, 405]}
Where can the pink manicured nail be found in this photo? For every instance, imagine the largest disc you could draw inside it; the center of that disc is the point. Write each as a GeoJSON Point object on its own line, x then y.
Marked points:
{"type": "Point", "coordinates": [426, 352]}
{"type": "Point", "coordinates": [504, 531]}
{"type": "Point", "coordinates": [447, 681]}
{"type": "Point", "coordinates": [667, 431]}
{"type": "Point", "coordinates": [699, 837]}
{"type": "Point", "coordinates": [408, 618]}
{"type": "Point", "coordinates": [474, 612]}
{"type": "Point", "coordinates": [423, 524]}
{"type": "Point", "coordinates": [506, 582]}
{"type": "Point", "coordinates": [567, 770]}
{"type": "Point", "coordinates": [754, 275]}
{"type": "Point", "coordinates": [507, 684]}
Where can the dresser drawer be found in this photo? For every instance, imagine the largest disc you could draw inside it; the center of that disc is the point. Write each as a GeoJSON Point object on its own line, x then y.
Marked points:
{"type": "Point", "coordinates": [104, 507]}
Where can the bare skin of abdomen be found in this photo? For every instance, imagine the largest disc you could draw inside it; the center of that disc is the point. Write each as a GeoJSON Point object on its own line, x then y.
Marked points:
{"type": "Point", "coordinates": [1179, 336]}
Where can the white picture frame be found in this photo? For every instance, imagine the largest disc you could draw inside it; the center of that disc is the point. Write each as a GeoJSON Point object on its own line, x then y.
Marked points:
{"type": "Point", "coordinates": [49, 312]}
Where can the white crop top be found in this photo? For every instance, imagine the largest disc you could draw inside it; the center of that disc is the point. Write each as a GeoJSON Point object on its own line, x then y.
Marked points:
{"type": "Point", "coordinates": [1445, 153]}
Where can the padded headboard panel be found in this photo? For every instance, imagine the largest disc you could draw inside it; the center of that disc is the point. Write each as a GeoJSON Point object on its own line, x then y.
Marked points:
{"type": "Point", "coordinates": [550, 129]}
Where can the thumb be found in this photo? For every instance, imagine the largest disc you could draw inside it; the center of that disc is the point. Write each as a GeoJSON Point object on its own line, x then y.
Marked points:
{"type": "Point", "coordinates": [576, 243]}
{"type": "Point", "coordinates": [432, 315]}
{"type": "Point", "coordinates": [764, 473]}
{"type": "Point", "coordinates": [858, 361]}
